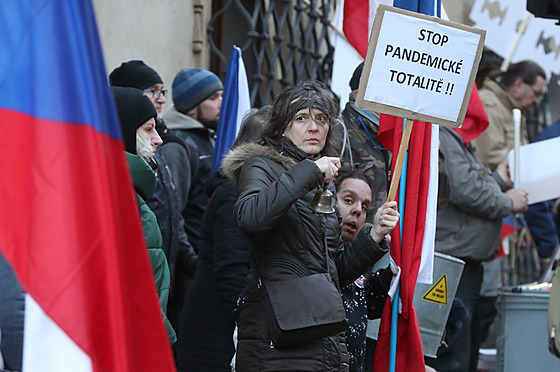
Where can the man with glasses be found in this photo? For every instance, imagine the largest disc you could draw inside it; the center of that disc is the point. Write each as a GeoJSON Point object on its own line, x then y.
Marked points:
{"type": "Point", "coordinates": [522, 86]}
{"type": "Point", "coordinates": [137, 74]}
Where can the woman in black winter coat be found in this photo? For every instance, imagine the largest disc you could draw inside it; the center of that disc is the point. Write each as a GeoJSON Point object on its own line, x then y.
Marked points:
{"type": "Point", "coordinates": [205, 341]}
{"type": "Point", "coordinates": [277, 179]}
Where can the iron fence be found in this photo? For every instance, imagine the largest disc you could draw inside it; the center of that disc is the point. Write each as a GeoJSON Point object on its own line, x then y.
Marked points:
{"type": "Point", "coordinates": [283, 41]}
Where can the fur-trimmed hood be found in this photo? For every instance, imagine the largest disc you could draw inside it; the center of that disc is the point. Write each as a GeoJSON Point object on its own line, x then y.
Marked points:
{"type": "Point", "coordinates": [234, 160]}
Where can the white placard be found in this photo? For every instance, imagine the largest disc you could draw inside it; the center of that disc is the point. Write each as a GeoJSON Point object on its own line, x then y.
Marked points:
{"type": "Point", "coordinates": [539, 169]}
{"type": "Point", "coordinates": [422, 66]}
{"type": "Point", "coordinates": [500, 18]}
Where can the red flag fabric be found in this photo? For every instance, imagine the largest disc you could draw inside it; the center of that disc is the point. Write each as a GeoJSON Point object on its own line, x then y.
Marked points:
{"type": "Point", "coordinates": [406, 253]}
{"type": "Point", "coordinates": [358, 20]}
{"type": "Point", "coordinates": [70, 225]}
{"type": "Point", "coordinates": [476, 120]}
{"type": "Point", "coordinates": [355, 26]}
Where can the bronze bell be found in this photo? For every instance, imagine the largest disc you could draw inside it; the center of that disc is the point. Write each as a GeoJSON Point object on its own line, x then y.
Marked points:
{"type": "Point", "coordinates": [322, 201]}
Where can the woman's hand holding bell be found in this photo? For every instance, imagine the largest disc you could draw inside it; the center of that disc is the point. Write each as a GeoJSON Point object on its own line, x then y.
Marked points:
{"type": "Point", "coordinates": [329, 166]}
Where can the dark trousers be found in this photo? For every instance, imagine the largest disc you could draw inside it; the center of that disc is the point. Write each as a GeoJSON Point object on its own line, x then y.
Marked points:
{"type": "Point", "coordinates": [462, 353]}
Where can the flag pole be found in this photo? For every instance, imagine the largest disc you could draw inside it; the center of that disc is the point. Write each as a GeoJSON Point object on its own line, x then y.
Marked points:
{"type": "Point", "coordinates": [407, 130]}
{"type": "Point", "coordinates": [398, 174]}
{"type": "Point", "coordinates": [516, 143]}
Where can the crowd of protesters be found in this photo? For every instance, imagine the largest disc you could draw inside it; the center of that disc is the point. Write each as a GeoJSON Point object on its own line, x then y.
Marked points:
{"type": "Point", "coordinates": [220, 243]}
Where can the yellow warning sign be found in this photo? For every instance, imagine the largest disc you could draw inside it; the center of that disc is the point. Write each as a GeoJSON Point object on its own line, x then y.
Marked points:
{"type": "Point", "coordinates": [438, 292]}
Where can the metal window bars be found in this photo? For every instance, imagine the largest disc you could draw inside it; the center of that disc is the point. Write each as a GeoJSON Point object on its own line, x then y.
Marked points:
{"type": "Point", "coordinates": [283, 41]}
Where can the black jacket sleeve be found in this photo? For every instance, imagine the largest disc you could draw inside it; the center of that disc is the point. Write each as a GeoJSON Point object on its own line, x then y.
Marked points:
{"type": "Point", "coordinates": [377, 290]}
{"type": "Point", "coordinates": [231, 252]}
{"type": "Point", "coordinates": [263, 201]}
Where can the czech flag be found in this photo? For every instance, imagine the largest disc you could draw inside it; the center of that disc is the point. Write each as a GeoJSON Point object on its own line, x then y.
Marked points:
{"type": "Point", "coordinates": [70, 226]}
{"type": "Point", "coordinates": [236, 104]}
{"type": "Point", "coordinates": [510, 224]}
{"type": "Point", "coordinates": [412, 244]}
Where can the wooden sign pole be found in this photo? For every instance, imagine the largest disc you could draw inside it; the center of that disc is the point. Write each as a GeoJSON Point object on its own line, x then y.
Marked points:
{"type": "Point", "coordinates": [400, 160]}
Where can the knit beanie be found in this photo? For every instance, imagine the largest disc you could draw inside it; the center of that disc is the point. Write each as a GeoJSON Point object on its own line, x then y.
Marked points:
{"type": "Point", "coordinates": [134, 74]}
{"type": "Point", "coordinates": [134, 109]}
{"type": "Point", "coordinates": [192, 86]}
{"type": "Point", "coordinates": [355, 80]}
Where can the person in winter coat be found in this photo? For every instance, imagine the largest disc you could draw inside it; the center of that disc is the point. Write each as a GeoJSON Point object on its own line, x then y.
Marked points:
{"type": "Point", "coordinates": [193, 117]}
{"type": "Point", "coordinates": [137, 118]}
{"type": "Point", "coordinates": [205, 341]}
{"type": "Point", "coordinates": [165, 202]}
{"type": "Point", "coordinates": [277, 179]}
{"type": "Point", "coordinates": [521, 87]}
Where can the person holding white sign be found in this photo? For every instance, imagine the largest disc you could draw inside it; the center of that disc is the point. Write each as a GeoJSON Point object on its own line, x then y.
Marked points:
{"type": "Point", "coordinates": [469, 228]}
{"type": "Point", "coordinates": [520, 87]}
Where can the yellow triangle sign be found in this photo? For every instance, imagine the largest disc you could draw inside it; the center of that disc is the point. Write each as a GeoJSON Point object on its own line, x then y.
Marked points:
{"type": "Point", "coordinates": [438, 292]}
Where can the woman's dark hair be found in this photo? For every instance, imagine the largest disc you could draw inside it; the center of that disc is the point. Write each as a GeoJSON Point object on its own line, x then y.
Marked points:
{"type": "Point", "coordinates": [526, 70]}
{"type": "Point", "coordinates": [306, 94]}
{"type": "Point", "coordinates": [347, 171]}
{"type": "Point", "coordinates": [252, 125]}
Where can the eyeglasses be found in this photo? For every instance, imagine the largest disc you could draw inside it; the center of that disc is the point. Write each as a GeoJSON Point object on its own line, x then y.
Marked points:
{"type": "Point", "coordinates": [538, 95]}
{"type": "Point", "coordinates": [305, 119]}
{"type": "Point", "coordinates": [156, 94]}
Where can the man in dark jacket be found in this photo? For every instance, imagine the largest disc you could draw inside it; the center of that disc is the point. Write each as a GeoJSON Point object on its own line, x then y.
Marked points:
{"type": "Point", "coordinates": [469, 228]}
{"type": "Point", "coordinates": [197, 99]}
{"type": "Point", "coordinates": [357, 136]}
{"type": "Point", "coordinates": [364, 298]}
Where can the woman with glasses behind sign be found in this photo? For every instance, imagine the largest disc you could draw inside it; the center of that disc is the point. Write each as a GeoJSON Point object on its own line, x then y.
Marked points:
{"type": "Point", "coordinates": [277, 179]}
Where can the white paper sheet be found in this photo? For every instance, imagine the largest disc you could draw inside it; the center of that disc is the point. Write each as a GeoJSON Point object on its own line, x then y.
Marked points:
{"type": "Point", "coordinates": [539, 169]}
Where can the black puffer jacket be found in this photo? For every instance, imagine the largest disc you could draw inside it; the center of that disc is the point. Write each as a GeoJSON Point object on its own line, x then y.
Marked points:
{"type": "Point", "coordinates": [272, 208]}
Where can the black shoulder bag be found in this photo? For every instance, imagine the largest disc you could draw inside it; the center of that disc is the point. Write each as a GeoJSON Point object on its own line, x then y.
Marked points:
{"type": "Point", "coordinates": [302, 309]}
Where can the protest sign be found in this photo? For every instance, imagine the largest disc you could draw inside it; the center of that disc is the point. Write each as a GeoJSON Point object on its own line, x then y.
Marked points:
{"type": "Point", "coordinates": [419, 67]}
{"type": "Point", "coordinates": [540, 42]}
{"type": "Point", "coordinates": [541, 174]}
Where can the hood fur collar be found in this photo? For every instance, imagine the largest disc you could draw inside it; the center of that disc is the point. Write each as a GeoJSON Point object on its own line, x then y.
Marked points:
{"type": "Point", "coordinates": [235, 158]}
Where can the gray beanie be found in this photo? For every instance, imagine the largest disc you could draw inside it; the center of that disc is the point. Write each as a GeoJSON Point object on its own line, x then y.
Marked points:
{"type": "Point", "coordinates": [192, 86]}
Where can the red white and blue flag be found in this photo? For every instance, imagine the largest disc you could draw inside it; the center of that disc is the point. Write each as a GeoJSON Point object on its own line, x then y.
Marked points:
{"type": "Point", "coordinates": [235, 105]}
{"type": "Point", "coordinates": [510, 224]}
{"type": "Point", "coordinates": [414, 254]}
{"type": "Point", "coordinates": [70, 226]}
{"type": "Point", "coordinates": [414, 246]}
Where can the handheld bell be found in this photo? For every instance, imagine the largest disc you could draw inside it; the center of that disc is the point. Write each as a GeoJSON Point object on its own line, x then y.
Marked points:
{"type": "Point", "coordinates": [322, 201]}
